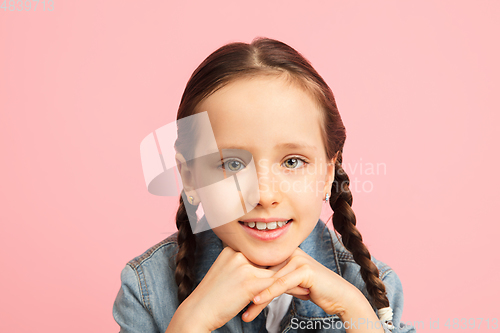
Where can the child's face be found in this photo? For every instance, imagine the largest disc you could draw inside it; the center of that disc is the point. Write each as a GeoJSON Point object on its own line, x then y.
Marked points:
{"type": "Point", "coordinates": [259, 115]}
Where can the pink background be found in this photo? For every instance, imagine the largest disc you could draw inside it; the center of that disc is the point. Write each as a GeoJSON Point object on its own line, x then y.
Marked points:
{"type": "Point", "coordinates": [81, 86]}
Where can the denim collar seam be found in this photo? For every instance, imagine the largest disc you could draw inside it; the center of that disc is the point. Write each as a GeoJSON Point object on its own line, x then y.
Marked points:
{"type": "Point", "coordinates": [384, 271]}
{"type": "Point", "coordinates": [346, 257]}
{"type": "Point", "coordinates": [137, 261]}
{"type": "Point", "coordinates": [143, 287]}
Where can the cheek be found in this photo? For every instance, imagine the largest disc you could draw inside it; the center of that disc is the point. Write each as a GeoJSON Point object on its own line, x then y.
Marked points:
{"type": "Point", "coordinates": [306, 197]}
{"type": "Point", "coordinates": [221, 202]}
{"type": "Point", "coordinates": [226, 233]}
{"type": "Point", "coordinates": [307, 187]}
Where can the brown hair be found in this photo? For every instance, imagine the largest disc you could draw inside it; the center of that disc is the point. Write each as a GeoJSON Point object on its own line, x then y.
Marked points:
{"type": "Point", "coordinates": [266, 56]}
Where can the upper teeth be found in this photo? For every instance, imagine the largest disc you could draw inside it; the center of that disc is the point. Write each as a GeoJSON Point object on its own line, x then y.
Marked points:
{"type": "Point", "coordinates": [264, 225]}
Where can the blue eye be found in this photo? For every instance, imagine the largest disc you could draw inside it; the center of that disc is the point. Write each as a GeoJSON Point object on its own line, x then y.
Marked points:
{"type": "Point", "coordinates": [294, 162]}
{"type": "Point", "coordinates": [232, 165]}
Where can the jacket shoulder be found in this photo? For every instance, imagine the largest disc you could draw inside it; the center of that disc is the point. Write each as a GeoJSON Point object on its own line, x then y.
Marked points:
{"type": "Point", "coordinates": [168, 245]}
{"type": "Point", "coordinates": [346, 259]}
{"type": "Point", "coordinates": [148, 295]}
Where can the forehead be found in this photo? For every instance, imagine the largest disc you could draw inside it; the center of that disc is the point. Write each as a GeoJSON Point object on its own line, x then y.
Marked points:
{"type": "Point", "coordinates": [262, 111]}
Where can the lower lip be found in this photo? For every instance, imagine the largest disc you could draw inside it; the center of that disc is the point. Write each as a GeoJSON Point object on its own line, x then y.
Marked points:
{"type": "Point", "coordinates": [267, 235]}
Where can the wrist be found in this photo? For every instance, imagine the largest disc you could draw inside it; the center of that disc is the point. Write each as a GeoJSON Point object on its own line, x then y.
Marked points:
{"type": "Point", "coordinates": [358, 310]}
{"type": "Point", "coordinates": [186, 320]}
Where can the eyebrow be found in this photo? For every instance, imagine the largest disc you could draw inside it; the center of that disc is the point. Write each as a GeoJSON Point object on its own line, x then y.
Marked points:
{"type": "Point", "coordinates": [284, 145]}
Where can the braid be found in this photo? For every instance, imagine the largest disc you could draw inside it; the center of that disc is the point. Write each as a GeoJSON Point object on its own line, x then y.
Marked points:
{"type": "Point", "coordinates": [344, 221]}
{"type": "Point", "coordinates": [184, 270]}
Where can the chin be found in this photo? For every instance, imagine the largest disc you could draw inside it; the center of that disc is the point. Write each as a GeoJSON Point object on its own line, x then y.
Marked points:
{"type": "Point", "coordinates": [262, 261]}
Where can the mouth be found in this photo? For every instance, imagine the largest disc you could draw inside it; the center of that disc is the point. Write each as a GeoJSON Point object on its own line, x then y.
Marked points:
{"type": "Point", "coordinates": [266, 231]}
{"type": "Point", "coordinates": [262, 226]}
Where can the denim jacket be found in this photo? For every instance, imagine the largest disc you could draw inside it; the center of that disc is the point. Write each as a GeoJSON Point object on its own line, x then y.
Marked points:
{"type": "Point", "coordinates": [147, 299]}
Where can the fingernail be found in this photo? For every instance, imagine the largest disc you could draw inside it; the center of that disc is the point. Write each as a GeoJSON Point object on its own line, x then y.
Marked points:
{"type": "Point", "coordinates": [256, 299]}
{"type": "Point", "coordinates": [245, 315]}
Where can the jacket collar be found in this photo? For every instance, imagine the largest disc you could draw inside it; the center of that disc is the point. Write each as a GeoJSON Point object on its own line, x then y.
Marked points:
{"type": "Point", "coordinates": [319, 245]}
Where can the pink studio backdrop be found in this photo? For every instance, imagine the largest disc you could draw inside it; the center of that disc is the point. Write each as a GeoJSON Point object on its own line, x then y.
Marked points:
{"type": "Point", "coordinates": [82, 85]}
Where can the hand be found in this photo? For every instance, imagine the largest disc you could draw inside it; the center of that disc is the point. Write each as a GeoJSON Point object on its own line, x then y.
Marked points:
{"type": "Point", "coordinates": [230, 285]}
{"type": "Point", "coordinates": [303, 277]}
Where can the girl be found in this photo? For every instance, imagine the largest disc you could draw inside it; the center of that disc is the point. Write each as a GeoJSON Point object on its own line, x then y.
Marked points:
{"type": "Point", "coordinates": [276, 267]}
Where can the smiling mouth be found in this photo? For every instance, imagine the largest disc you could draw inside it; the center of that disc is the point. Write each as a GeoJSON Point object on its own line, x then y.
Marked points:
{"type": "Point", "coordinates": [265, 225]}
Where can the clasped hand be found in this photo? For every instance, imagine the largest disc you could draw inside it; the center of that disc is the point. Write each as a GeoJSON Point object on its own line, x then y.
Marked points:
{"type": "Point", "coordinates": [233, 282]}
{"type": "Point", "coordinates": [305, 278]}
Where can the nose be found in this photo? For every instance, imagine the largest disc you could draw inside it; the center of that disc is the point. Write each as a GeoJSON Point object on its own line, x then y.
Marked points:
{"type": "Point", "coordinates": [270, 194]}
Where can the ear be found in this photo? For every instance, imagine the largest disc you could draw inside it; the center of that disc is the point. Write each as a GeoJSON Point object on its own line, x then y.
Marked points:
{"type": "Point", "coordinates": [330, 175]}
{"type": "Point", "coordinates": [187, 178]}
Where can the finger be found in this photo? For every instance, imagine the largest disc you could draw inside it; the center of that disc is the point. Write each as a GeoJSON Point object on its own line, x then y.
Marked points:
{"type": "Point", "coordinates": [255, 286]}
{"type": "Point", "coordinates": [262, 273]}
{"type": "Point", "coordinates": [282, 284]}
{"type": "Point", "coordinates": [289, 267]}
{"type": "Point", "coordinates": [293, 265]}
{"type": "Point", "coordinates": [298, 291]}
{"type": "Point", "coordinates": [253, 311]}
